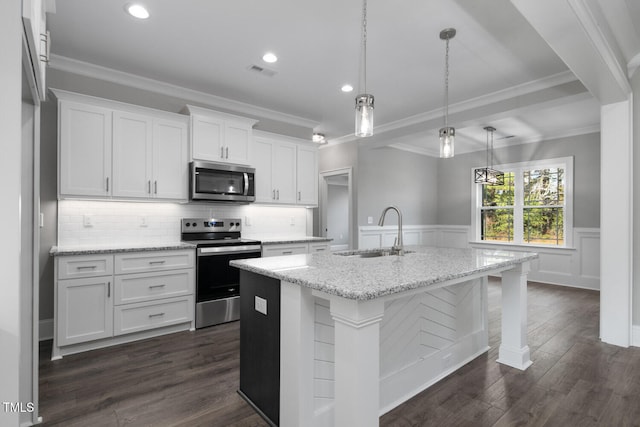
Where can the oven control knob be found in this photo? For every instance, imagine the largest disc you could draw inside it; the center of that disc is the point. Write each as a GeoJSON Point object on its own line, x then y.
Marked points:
{"type": "Point", "coordinates": [237, 224]}
{"type": "Point", "coordinates": [193, 224]}
{"type": "Point", "coordinates": [188, 224]}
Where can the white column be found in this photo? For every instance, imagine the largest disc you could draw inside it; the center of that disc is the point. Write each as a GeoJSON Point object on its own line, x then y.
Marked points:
{"type": "Point", "coordinates": [616, 223]}
{"type": "Point", "coordinates": [357, 361]}
{"type": "Point", "coordinates": [514, 350]}
{"type": "Point", "coordinates": [10, 175]}
{"type": "Point", "coordinates": [296, 355]}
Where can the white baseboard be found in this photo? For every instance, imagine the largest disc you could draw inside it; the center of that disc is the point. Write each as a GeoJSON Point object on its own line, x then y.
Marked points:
{"type": "Point", "coordinates": [635, 335]}
{"type": "Point", "coordinates": [46, 330]}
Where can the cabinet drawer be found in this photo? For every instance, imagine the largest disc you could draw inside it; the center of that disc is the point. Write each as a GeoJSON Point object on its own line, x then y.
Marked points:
{"type": "Point", "coordinates": [143, 316]}
{"type": "Point", "coordinates": [141, 262]}
{"type": "Point", "coordinates": [76, 266]}
{"type": "Point", "coordinates": [279, 250]}
{"type": "Point", "coordinates": [140, 287]}
{"type": "Point", "coordinates": [315, 248]}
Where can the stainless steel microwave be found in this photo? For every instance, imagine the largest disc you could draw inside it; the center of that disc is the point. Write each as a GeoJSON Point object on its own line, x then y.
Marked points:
{"type": "Point", "coordinates": [221, 183]}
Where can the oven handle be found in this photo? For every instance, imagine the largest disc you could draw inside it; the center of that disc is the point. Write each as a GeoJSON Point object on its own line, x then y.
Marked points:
{"type": "Point", "coordinates": [228, 250]}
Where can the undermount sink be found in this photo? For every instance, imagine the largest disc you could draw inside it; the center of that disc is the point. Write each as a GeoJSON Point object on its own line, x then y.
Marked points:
{"type": "Point", "coordinates": [370, 253]}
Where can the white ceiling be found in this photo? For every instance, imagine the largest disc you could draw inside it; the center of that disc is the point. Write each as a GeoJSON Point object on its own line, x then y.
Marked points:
{"type": "Point", "coordinates": [502, 73]}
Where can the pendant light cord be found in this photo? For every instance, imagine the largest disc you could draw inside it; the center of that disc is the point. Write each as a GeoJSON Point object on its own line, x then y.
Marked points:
{"type": "Point", "coordinates": [363, 59]}
{"type": "Point", "coordinates": [446, 84]}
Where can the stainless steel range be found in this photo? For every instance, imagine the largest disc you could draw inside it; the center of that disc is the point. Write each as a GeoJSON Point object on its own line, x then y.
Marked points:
{"type": "Point", "coordinates": [218, 241]}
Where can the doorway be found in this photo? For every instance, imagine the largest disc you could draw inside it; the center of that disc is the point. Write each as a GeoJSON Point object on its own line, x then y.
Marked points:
{"type": "Point", "coordinates": [336, 208]}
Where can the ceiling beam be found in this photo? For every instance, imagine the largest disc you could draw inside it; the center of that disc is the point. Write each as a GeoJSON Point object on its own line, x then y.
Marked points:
{"type": "Point", "coordinates": [580, 35]}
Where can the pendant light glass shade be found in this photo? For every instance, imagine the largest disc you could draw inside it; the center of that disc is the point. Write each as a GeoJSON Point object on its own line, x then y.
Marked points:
{"type": "Point", "coordinates": [488, 175]}
{"type": "Point", "coordinates": [447, 133]}
{"type": "Point", "coordinates": [364, 101]}
{"type": "Point", "coordinates": [447, 136]}
{"type": "Point", "coordinates": [364, 115]}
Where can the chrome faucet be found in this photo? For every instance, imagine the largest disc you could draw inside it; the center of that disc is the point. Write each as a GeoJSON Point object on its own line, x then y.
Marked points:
{"type": "Point", "coordinates": [398, 247]}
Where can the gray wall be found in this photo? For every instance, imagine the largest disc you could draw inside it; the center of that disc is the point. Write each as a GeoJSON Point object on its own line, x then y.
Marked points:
{"type": "Point", "coordinates": [454, 177]}
{"type": "Point", "coordinates": [388, 176]}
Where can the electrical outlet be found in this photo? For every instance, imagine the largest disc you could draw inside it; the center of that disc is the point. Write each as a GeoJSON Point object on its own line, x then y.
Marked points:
{"type": "Point", "coordinates": [292, 221]}
{"type": "Point", "coordinates": [247, 221]}
{"type": "Point", "coordinates": [369, 220]}
{"type": "Point", "coordinates": [261, 305]}
{"type": "Point", "coordinates": [143, 221]}
{"type": "Point", "coordinates": [87, 221]}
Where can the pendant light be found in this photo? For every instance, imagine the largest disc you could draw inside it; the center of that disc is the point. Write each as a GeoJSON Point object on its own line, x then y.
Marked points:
{"type": "Point", "coordinates": [488, 175]}
{"type": "Point", "coordinates": [364, 101]}
{"type": "Point", "coordinates": [447, 133]}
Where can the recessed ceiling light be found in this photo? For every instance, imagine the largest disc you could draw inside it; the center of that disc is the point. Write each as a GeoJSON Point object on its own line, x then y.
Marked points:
{"type": "Point", "coordinates": [137, 11]}
{"type": "Point", "coordinates": [269, 57]}
{"type": "Point", "coordinates": [318, 138]}
{"type": "Point", "coordinates": [346, 88]}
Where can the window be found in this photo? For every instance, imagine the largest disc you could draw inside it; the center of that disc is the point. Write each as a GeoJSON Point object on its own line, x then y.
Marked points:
{"type": "Point", "coordinates": [532, 207]}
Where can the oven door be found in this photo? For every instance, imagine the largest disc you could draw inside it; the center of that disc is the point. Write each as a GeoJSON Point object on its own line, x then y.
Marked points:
{"type": "Point", "coordinates": [215, 278]}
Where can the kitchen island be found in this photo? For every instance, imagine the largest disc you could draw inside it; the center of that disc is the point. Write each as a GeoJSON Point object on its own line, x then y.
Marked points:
{"type": "Point", "coordinates": [342, 339]}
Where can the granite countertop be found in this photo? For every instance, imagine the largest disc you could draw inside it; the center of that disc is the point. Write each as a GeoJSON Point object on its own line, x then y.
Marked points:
{"type": "Point", "coordinates": [292, 239]}
{"type": "Point", "coordinates": [359, 278]}
{"type": "Point", "coordinates": [108, 249]}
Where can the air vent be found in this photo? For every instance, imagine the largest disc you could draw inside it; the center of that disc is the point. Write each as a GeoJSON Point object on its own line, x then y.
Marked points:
{"type": "Point", "coordinates": [261, 70]}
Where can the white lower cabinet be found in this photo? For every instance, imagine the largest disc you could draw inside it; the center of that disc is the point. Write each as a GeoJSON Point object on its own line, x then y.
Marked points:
{"type": "Point", "coordinates": [282, 249]}
{"type": "Point", "coordinates": [109, 299]}
{"type": "Point", "coordinates": [85, 310]}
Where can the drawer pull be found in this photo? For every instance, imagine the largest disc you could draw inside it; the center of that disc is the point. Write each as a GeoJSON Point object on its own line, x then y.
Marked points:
{"type": "Point", "coordinates": [87, 267]}
{"type": "Point", "coordinates": [156, 286]}
{"type": "Point", "coordinates": [287, 252]}
{"type": "Point", "coordinates": [156, 315]}
{"type": "Point", "coordinates": [156, 262]}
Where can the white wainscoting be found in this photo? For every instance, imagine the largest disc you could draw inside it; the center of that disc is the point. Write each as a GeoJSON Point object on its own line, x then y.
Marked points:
{"type": "Point", "coordinates": [576, 267]}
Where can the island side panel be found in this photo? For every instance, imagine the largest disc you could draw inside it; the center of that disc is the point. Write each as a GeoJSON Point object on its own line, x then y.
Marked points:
{"type": "Point", "coordinates": [514, 350]}
{"type": "Point", "coordinates": [260, 343]}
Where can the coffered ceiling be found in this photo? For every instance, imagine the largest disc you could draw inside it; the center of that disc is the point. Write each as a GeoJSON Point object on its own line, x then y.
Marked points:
{"type": "Point", "coordinates": [502, 72]}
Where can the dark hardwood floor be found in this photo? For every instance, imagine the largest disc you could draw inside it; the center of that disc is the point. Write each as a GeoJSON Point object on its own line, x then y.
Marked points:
{"type": "Point", "coordinates": [191, 378]}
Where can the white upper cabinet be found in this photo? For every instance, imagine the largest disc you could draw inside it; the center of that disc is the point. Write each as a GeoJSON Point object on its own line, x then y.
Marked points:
{"type": "Point", "coordinates": [132, 139]}
{"type": "Point", "coordinates": [307, 175]}
{"type": "Point", "coordinates": [84, 150]}
{"type": "Point", "coordinates": [220, 137]}
{"type": "Point", "coordinates": [170, 160]}
{"type": "Point", "coordinates": [38, 40]}
{"type": "Point", "coordinates": [110, 149]}
{"type": "Point", "coordinates": [286, 170]}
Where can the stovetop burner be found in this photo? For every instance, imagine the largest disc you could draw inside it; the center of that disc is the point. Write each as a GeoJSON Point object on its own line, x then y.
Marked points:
{"type": "Point", "coordinates": [213, 232]}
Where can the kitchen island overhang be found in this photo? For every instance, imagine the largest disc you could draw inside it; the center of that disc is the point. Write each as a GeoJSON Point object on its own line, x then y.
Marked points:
{"type": "Point", "coordinates": [389, 326]}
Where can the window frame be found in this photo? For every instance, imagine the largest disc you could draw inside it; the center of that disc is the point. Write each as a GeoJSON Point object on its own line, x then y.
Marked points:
{"type": "Point", "coordinates": [518, 211]}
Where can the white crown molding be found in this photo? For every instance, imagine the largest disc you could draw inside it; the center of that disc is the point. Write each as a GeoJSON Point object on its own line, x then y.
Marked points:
{"type": "Point", "coordinates": [633, 65]}
{"type": "Point", "coordinates": [480, 101]}
{"type": "Point", "coordinates": [69, 65]}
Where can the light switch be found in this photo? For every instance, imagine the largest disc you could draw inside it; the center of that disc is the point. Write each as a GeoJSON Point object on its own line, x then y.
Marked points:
{"type": "Point", "coordinates": [369, 220]}
{"type": "Point", "coordinates": [261, 305]}
{"type": "Point", "coordinates": [87, 221]}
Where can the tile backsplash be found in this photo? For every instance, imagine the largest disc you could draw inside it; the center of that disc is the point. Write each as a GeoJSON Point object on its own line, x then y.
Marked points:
{"type": "Point", "coordinates": [91, 223]}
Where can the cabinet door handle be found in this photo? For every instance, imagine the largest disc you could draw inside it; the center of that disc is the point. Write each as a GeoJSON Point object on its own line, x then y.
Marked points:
{"type": "Point", "coordinates": [155, 187]}
{"type": "Point", "coordinates": [87, 267]}
{"type": "Point", "coordinates": [156, 315]}
{"type": "Point", "coordinates": [149, 187]}
{"type": "Point", "coordinates": [108, 289]}
{"type": "Point", "coordinates": [156, 286]}
{"type": "Point", "coordinates": [278, 194]}
{"type": "Point", "coordinates": [299, 195]}
{"type": "Point", "coordinates": [157, 262]}
{"type": "Point", "coordinates": [274, 195]}
{"type": "Point", "coordinates": [222, 152]}
{"type": "Point", "coordinates": [107, 184]}
{"type": "Point", "coordinates": [227, 151]}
